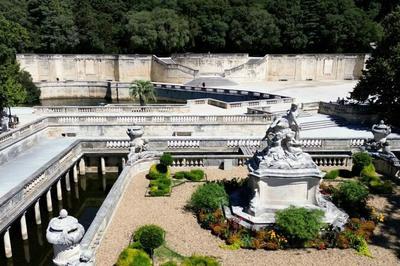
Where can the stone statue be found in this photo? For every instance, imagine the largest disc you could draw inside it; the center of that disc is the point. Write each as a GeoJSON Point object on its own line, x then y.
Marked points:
{"type": "Point", "coordinates": [380, 131]}
{"type": "Point", "coordinates": [138, 145]}
{"type": "Point", "coordinates": [283, 149]}
{"type": "Point", "coordinates": [65, 233]}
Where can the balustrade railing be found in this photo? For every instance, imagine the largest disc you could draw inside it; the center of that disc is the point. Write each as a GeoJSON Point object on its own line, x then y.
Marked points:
{"type": "Point", "coordinates": [112, 109]}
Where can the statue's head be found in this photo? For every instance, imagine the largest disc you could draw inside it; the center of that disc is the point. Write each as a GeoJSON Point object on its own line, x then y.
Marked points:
{"type": "Point", "coordinates": [293, 107]}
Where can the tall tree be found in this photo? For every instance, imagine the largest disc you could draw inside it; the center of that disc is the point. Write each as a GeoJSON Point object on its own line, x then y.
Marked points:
{"type": "Point", "coordinates": [157, 31]}
{"type": "Point", "coordinates": [380, 83]}
{"type": "Point", "coordinates": [253, 29]}
{"type": "Point", "coordinates": [53, 23]}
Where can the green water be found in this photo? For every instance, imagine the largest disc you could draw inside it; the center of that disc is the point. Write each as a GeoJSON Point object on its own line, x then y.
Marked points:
{"type": "Point", "coordinates": [82, 202]}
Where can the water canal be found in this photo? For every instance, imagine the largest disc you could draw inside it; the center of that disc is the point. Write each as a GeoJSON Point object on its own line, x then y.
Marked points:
{"type": "Point", "coordinates": [82, 202]}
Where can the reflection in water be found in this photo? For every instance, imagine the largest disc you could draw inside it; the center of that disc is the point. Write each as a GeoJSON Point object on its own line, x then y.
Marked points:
{"type": "Point", "coordinates": [84, 206]}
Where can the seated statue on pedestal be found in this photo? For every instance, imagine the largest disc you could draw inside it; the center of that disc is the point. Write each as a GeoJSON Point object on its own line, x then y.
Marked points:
{"type": "Point", "coordinates": [283, 149]}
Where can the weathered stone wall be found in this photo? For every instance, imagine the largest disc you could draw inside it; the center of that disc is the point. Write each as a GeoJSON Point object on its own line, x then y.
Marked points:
{"type": "Point", "coordinates": [185, 67]}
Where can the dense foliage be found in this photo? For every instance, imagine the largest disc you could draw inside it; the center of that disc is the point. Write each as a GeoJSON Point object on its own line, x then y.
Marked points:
{"type": "Point", "coordinates": [360, 160]}
{"type": "Point", "coordinates": [133, 257]}
{"type": "Point", "coordinates": [163, 27]}
{"type": "Point", "coordinates": [352, 197]}
{"type": "Point", "coordinates": [380, 84]}
{"type": "Point", "coordinates": [209, 196]}
{"type": "Point", "coordinates": [150, 236]}
{"type": "Point", "coordinates": [200, 261]}
{"type": "Point", "coordinates": [299, 224]}
{"type": "Point", "coordinates": [333, 174]}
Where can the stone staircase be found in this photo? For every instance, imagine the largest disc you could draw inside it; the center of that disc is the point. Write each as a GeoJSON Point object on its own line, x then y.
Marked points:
{"type": "Point", "coordinates": [322, 123]}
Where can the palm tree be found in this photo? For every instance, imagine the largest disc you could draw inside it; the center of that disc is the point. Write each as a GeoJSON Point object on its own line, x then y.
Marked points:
{"type": "Point", "coordinates": [142, 90]}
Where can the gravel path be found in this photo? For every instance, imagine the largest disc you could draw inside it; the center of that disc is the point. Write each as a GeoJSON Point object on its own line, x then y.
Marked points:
{"type": "Point", "coordinates": [185, 236]}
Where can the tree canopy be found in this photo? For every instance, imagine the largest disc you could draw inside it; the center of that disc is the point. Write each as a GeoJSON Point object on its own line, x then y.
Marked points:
{"type": "Point", "coordinates": [380, 84]}
{"type": "Point", "coordinates": [163, 27]}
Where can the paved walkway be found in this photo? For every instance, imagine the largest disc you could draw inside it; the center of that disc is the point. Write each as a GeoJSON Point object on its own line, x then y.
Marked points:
{"type": "Point", "coordinates": [21, 167]}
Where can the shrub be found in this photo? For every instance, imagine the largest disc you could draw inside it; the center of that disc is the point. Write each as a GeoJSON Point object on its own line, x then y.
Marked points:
{"type": "Point", "coordinates": [368, 173]}
{"type": "Point", "coordinates": [195, 175]}
{"type": "Point", "coordinates": [200, 261]}
{"type": "Point", "coordinates": [300, 224]}
{"type": "Point", "coordinates": [150, 236]}
{"type": "Point", "coordinates": [332, 174]}
{"type": "Point", "coordinates": [380, 187]}
{"type": "Point", "coordinates": [179, 175]}
{"type": "Point", "coordinates": [209, 196]}
{"type": "Point", "coordinates": [360, 160]}
{"type": "Point", "coordinates": [133, 257]}
{"type": "Point", "coordinates": [166, 159]}
{"type": "Point", "coordinates": [158, 171]}
{"type": "Point", "coordinates": [351, 196]}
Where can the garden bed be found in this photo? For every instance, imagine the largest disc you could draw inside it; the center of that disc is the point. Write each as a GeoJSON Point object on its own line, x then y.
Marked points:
{"type": "Point", "coordinates": [186, 237]}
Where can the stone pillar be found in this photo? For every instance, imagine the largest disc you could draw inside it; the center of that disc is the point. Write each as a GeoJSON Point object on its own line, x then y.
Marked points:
{"type": "Point", "coordinates": [38, 218]}
{"type": "Point", "coordinates": [24, 229]}
{"type": "Point", "coordinates": [7, 244]}
{"type": "Point", "coordinates": [67, 182]}
{"type": "Point", "coordinates": [123, 162]}
{"type": "Point", "coordinates": [59, 190]}
{"type": "Point", "coordinates": [48, 200]}
{"type": "Point", "coordinates": [75, 173]}
{"type": "Point", "coordinates": [102, 166]}
{"type": "Point", "coordinates": [82, 167]}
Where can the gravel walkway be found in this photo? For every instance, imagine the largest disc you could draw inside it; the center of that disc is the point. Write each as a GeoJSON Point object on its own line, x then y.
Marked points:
{"type": "Point", "coordinates": [185, 236]}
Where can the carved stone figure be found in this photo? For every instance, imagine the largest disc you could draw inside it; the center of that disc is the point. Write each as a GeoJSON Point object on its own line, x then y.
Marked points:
{"type": "Point", "coordinates": [283, 149]}
{"type": "Point", "coordinates": [138, 145]}
{"type": "Point", "coordinates": [65, 233]}
{"type": "Point", "coordinates": [280, 176]}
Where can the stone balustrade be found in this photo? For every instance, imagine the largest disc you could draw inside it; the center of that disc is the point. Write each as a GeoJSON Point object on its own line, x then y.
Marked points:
{"type": "Point", "coordinates": [179, 108]}
{"type": "Point", "coordinates": [159, 119]}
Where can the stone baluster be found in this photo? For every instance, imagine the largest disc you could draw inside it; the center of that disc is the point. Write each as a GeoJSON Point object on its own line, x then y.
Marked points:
{"type": "Point", "coordinates": [38, 217]}
{"type": "Point", "coordinates": [7, 244]}
{"type": "Point", "coordinates": [24, 229]}
{"type": "Point", "coordinates": [102, 166]}
{"type": "Point", "coordinates": [59, 190]}
{"type": "Point", "coordinates": [75, 173]}
{"type": "Point", "coordinates": [67, 182]}
{"type": "Point", "coordinates": [82, 167]}
{"type": "Point", "coordinates": [49, 201]}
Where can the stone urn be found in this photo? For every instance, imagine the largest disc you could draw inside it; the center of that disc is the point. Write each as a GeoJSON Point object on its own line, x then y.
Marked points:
{"type": "Point", "coordinates": [65, 233]}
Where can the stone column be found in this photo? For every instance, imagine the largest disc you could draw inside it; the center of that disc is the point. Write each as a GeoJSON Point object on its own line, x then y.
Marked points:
{"type": "Point", "coordinates": [48, 200]}
{"type": "Point", "coordinates": [7, 244]}
{"type": "Point", "coordinates": [123, 162]}
{"type": "Point", "coordinates": [38, 218]}
{"type": "Point", "coordinates": [59, 190]}
{"type": "Point", "coordinates": [67, 182]}
{"type": "Point", "coordinates": [75, 173]}
{"type": "Point", "coordinates": [102, 166]}
{"type": "Point", "coordinates": [82, 167]}
{"type": "Point", "coordinates": [24, 229]}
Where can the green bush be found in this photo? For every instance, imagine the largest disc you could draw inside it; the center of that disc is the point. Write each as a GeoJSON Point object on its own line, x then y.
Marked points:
{"type": "Point", "coordinates": [200, 261]}
{"type": "Point", "coordinates": [380, 187]}
{"type": "Point", "coordinates": [194, 175]}
{"type": "Point", "coordinates": [299, 224]}
{"type": "Point", "coordinates": [360, 160]}
{"type": "Point", "coordinates": [332, 174]}
{"type": "Point", "coordinates": [368, 173]}
{"type": "Point", "coordinates": [209, 196]}
{"type": "Point", "coordinates": [351, 196]}
{"type": "Point", "coordinates": [158, 171]}
{"type": "Point", "coordinates": [180, 175]}
{"type": "Point", "coordinates": [166, 159]}
{"type": "Point", "coordinates": [150, 236]}
{"type": "Point", "coordinates": [133, 257]}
